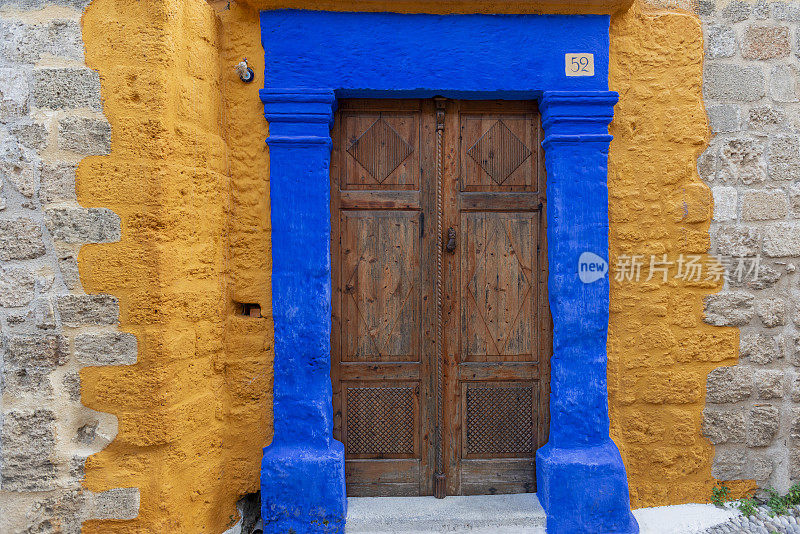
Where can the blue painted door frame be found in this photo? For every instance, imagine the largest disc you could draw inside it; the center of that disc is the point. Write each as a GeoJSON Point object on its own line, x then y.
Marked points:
{"type": "Point", "coordinates": [313, 58]}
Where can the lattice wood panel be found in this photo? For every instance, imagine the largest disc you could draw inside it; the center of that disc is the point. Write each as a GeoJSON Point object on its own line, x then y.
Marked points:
{"type": "Point", "coordinates": [500, 419]}
{"type": "Point", "coordinates": [380, 421]}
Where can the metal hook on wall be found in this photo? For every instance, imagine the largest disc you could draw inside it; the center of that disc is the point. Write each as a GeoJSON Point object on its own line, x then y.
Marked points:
{"type": "Point", "coordinates": [244, 71]}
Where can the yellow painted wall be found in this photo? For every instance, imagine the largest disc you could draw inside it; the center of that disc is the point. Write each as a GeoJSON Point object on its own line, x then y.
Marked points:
{"type": "Point", "coordinates": [188, 175]}
{"type": "Point", "coordinates": [659, 349]}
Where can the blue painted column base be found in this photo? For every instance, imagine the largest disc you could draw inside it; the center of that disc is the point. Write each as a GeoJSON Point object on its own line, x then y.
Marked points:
{"type": "Point", "coordinates": [590, 487]}
{"type": "Point", "coordinates": [303, 490]}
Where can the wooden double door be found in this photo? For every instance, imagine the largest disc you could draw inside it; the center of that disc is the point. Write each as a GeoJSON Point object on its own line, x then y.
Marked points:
{"type": "Point", "coordinates": [441, 327]}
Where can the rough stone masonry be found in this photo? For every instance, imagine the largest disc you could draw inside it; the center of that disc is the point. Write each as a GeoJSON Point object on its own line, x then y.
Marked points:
{"type": "Point", "coordinates": [752, 97]}
{"type": "Point", "coordinates": [50, 118]}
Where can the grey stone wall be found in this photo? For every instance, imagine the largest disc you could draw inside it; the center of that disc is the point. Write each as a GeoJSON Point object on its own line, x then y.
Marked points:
{"type": "Point", "coordinates": [50, 118]}
{"type": "Point", "coordinates": [752, 62]}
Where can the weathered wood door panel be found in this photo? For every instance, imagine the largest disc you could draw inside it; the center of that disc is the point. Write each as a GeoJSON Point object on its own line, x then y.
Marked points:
{"type": "Point", "coordinates": [495, 345]}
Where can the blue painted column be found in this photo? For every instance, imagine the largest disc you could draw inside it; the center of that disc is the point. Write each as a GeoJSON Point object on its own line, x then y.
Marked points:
{"type": "Point", "coordinates": [302, 474]}
{"type": "Point", "coordinates": [580, 475]}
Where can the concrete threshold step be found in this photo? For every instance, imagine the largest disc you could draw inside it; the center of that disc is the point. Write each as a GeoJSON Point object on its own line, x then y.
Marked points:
{"type": "Point", "coordinates": [476, 514]}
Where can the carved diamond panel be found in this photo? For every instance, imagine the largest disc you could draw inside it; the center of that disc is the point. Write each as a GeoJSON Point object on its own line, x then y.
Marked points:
{"type": "Point", "coordinates": [499, 152]}
{"type": "Point", "coordinates": [380, 150]}
{"type": "Point", "coordinates": [380, 270]}
{"type": "Point", "coordinates": [498, 265]}
{"type": "Point", "coordinates": [380, 420]}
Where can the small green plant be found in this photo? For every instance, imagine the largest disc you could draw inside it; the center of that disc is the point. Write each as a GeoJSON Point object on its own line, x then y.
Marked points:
{"type": "Point", "coordinates": [777, 505]}
{"type": "Point", "coordinates": [747, 506]}
{"type": "Point", "coordinates": [720, 494]}
{"type": "Point", "coordinates": [793, 496]}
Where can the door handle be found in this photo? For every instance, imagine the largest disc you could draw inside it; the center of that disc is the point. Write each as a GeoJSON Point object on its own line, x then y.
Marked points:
{"type": "Point", "coordinates": [450, 246]}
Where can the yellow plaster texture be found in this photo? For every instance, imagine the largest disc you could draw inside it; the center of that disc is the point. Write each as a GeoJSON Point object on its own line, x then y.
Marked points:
{"type": "Point", "coordinates": [659, 348]}
{"type": "Point", "coordinates": [194, 412]}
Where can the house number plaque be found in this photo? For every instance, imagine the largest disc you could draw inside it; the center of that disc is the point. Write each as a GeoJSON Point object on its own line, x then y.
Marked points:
{"type": "Point", "coordinates": [579, 64]}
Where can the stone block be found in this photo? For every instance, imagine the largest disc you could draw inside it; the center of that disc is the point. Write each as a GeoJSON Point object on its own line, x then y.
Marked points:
{"type": "Point", "coordinates": [68, 265]}
{"type": "Point", "coordinates": [45, 314]}
{"type": "Point", "coordinates": [57, 182]}
{"type": "Point", "coordinates": [761, 468]}
{"type": "Point", "coordinates": [725, 203]}
{"type": "Point", "coordinates": [794, 198]}
{"type": "Point", "coordinates": [794, 463]}
{"type": "Point", "coordinates": [741, 160]}
{"type": "Point", "coordinates": [87, 433]}
{"type": "Point", "coordinates": [731, 308]}
{"type": "Point", "coordinates": [706, 8]}
{"type": "Point", "coordinates": [738, 241]}
{"type": "Point", "coordinates": [761, 10]}
{"type": "Point", "coordinates": [20, 170]}
{"type": "Point", "coordinates": [17, 287]}
{"type": "Point", "coordinates": [117, 503]}
{"type": "Point", "coordinates": [782, 239]}
{"type": "Point", "coordinates": [763, 205]}
{"type": "Point", "coordinates": [90, 137]}
{"type": "Point", "coordinates": [28, 43]}
{"type": "Point", "coordinates": [794, 349]}
{"type": "Point", "coordinates": [762, 425]}
{"type": "Point", "coordinates": [20, 239]}
{"type": "Point", "coordinates": [81, 225]}
{"type": "Point", "coordinates": [765, 118]}
{"type": "Point", "coordinates": [794, 429]}
{"type": "Point", "coordinates": [29, 361]}
{"type": "Point", "coordinates": [707, 164]}
{"type": "Point", "coordinates": [14, 93]}
{"type": "Point", "coordinates": [795, 381]}
{"type": "Point", "coordinates": [733, 82]}
{"type": "Point", "coordinates": [71, 383]}
{"type": "Point", "coordinates": [772, 311]}
{"type": "Point", "coordinates": [760, 348]}
{"type": "Point", "coordinates": [30, 134]}
{"type": "Point", "coordinates": [769, 384]}
{"type": "Point", "coordinates": [66, 88]}
{"type": "Point", "coordinates": [720, 41]}
{"type": "Point", "coordinates": [753, 274]}
{"type": "Point", "coordinates": [783, 83]}
{"type": "Point", "coordinates": [736, 11]}
{"type": "Point", "coordinates": [35, 350]}
{"type": "Point", "coordinates": [766, 42]}
{"type": "Point", "coordinates": [783, 159]}
{"type": "Point", "coordinates": [80, 310]}
{"type": "Point", "coordinates": [28, 438]}
{"type": "Point", "coordinates": [728, 384]}
{"type": "Point", "coordinates": [724, 426]}
{"type": "Point", "coordinates": [56, 512]}
{"type": "Point", "coordinates": [787, 11]}
{"type": "Point", "coordinates": [106, 348]}
{"type": "Point", "coordinates": [729, 464]}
